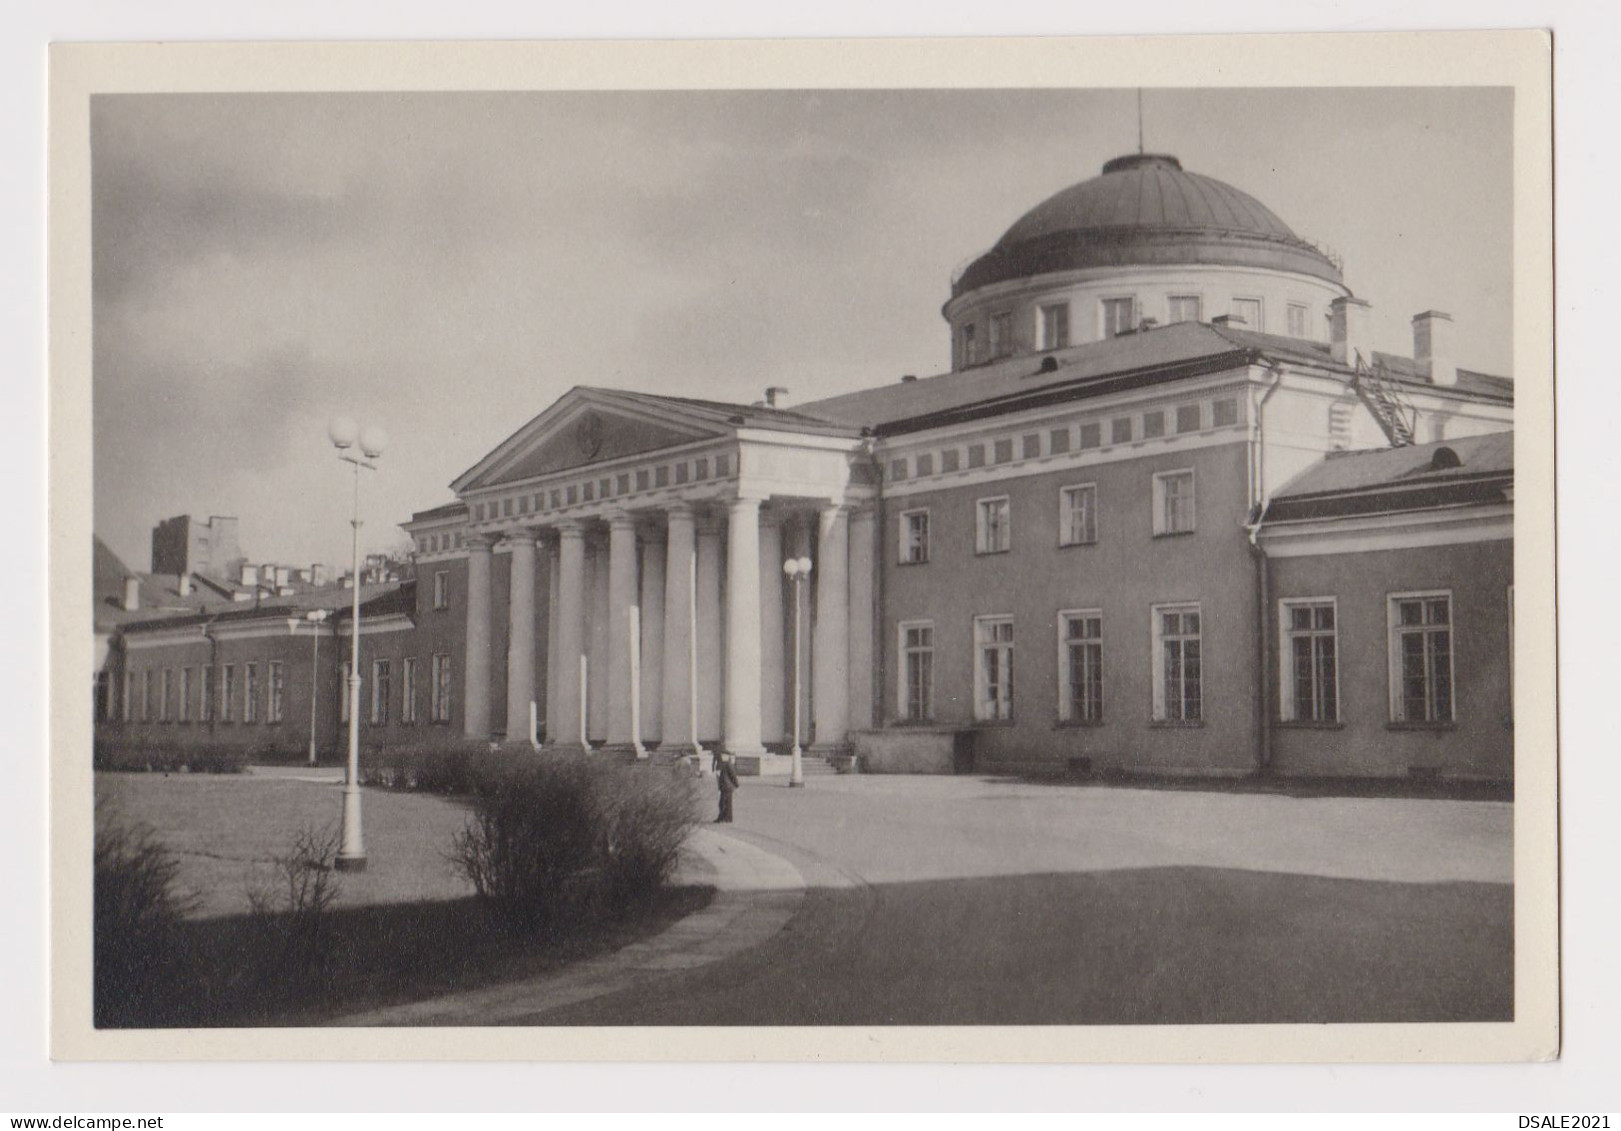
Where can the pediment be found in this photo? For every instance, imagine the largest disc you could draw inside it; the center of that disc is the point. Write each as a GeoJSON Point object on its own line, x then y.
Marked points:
{"type": "Point", "coordinates": [582, 429]}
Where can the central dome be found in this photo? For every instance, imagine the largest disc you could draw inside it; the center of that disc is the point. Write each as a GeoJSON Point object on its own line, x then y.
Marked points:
{"type": "Point", "coordinates": [1145, 209]}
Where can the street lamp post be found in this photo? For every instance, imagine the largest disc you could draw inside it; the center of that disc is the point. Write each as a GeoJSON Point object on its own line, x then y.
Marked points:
{"type": "Point", "coordinates": [344, 434]}
{"type": "Point", "coordinates": [798, 571]}
{"type": "Point", "coordinates": [315, 617]}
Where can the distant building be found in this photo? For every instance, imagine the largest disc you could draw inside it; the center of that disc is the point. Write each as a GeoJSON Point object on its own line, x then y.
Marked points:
{"type": "Point", "coordinates": [183, 546]}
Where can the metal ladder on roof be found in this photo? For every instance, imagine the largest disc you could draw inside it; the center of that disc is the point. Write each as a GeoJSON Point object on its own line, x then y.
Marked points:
{"type": "Point", "coordinates": [1396, 416]}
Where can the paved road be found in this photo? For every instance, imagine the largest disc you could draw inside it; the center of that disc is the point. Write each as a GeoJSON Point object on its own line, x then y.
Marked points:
{"type": "Point", "coordinates": [957, 900]}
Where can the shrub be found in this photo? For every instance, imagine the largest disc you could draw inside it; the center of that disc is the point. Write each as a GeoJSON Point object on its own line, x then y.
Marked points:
{"type": "Point", "coordinates": [289, 902]}
{"type": "Point", "coordinates": [447, 767]}
{"type": "Point", "coordinates": [125, 754]}
{"type": "Point", "coordinates": [137, 942]}
{"type": "Point", "coordinates": [557, 833]}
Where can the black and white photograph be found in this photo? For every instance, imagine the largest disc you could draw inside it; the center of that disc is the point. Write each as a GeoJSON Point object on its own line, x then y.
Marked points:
{"type": "Point", "coordinates": [801, 559]}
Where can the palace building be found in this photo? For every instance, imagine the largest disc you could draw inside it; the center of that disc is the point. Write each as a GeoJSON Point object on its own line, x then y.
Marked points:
{"type": "Point", "coordinates": [1168, 512]}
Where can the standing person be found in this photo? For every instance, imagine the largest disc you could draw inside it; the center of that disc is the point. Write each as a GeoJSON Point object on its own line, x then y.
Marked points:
{"type": "Point", "coordinates": [726, 778]}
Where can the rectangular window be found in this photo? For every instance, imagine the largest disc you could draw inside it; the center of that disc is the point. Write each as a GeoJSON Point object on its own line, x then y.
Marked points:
{"type": "Point", "coordinates": [1223, 413]}
{"type": "Point", "coordinates": [275, 691]}
{"type": "Point", "coordinates": [441, 589]}
{"type": "Point", "coordinates": [1249, 309]}
{"type": "Point", "coordinates": [1421, 658]}
{"type": "Point", "coordinates": [379, 692]}
{"type": "Point", "coordinates": [917, 668]}
{"type": "Point", "coordinates": [441, 687]}
{"type": "Point", "coordinates": [1030, 447]}
{"type": "Point", "coordinates": [914, 547]}
{"type": "Point", "coordinates": [1173, 502]}
{"type": "Point", "coordinates": [1297, 319]}
{"type": "Point", "coordinates": [250, 693]}
{"type": "Point", "coordinates": [1055, 326]}
{"type": "Point", "coordinates": [343, 692]}
{"type": "Point", "coordinates": [1080, 666]}
{"type": "Point", "coordinates": [1309, 691]}
{"type": "Point", "coordinates": [146, 696]}
{"type": "Point", "coordinates": [1003, 451]}
{"type": "Point", "coordinates": [950, 460]}
{"type": "Point", "coordinates": [1186, 308]}
{"type": "Point", "coordinates": [993, 528]}
{"type": "Point", "coordinates": [185, 695]}
{"type": "Point", "coordinates": [925, 464]}
{"type": "Point", "coordinates": [1002, 334]}
{"type": "Point", "coordinates": [1078, 515]}
{"type": "Point", "coordinates": [993, 668]}
{"type": "Point", "coordinates": [970, 345]}
{"type": "Point", "coordinates": [1178, 675]}
{"type": "Point", "coordinates": [205, 694]}
{"type": "Point", "coordinates": [163, 695]}
{"type": "Point", "coordinates": [1187, 418]}
{"type": "Point", "coordinates": [1058, 440]}
{"type": "Point", "coordinates": [227, 693]}
{"type": "Point", "coordinates": [408, 690]}
{"type": "Point", "coordinates": [1092, 435]}
{"type": "Point", "coordinates": [1120, 430]}
{"type": "Point", "coordinates": [976, 455]}
{"type": "Point", "coordinates": [1117, 316]}
{"type": "Point", "coordinates": [1153, 425]}
{"type": "Point", "coordinates": [897, 469]}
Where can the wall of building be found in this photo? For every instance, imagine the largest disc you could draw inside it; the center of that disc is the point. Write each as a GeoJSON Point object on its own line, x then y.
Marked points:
{"type": "Point", "coordinates": [1124, 574]}
{"type": "Point", "coordinates": [1480, 743]}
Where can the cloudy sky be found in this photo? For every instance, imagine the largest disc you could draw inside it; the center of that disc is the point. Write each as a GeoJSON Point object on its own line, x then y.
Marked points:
{"type": "Point", "coordinates": [446, 265]}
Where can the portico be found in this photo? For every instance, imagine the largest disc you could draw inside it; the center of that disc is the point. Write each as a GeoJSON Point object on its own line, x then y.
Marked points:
{"type": "Point", "coordinates": [661, 536]}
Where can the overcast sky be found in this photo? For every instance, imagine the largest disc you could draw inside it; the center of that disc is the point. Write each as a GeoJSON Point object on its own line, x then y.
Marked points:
{"type": "Point", "coordinates": [447, 265]}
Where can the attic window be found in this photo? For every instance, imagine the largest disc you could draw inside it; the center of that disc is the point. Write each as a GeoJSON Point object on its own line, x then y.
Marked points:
{"type": "Point", "coordinates": [1443, 459]}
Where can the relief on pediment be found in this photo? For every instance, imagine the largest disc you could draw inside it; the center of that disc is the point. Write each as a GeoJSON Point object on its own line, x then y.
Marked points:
{"type": "Point", "coordinates": [594, 436]}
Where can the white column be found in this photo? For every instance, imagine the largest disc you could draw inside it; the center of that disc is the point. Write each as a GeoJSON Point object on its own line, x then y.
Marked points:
{"type": "Point", "coordinates": [476, 689]}
{"type": "Point", "coordinates": [596, 643]}
{"type": "Point", "coordinates": [743, 627]}
{"type": "Point", "coordinates": [678, 560]}
{"type": "Point", "coordinates": [621, 599]}
{"type": "Point", "coordinates": [800, 547]}
{"type": "Point", "coordinates": [832, 640]}
{"type": "Point", "coordinates": [521, 630]}
{"type": "Point", "coordinates": [553, 661]}
{"type": "Point", "coordinates": [863, 532]}
{"type": "Point", "coordinates": [711, 655]}
{"type": "Point", "coordinates": [652, 598]}
{"type": "Point", "coordinates": [773, 673]}
{"type": "Point", "coordinates": [563, 715]}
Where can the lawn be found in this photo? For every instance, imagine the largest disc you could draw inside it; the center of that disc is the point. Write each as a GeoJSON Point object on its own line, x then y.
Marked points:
{"type": "Point", "coordinates": [406, 928]}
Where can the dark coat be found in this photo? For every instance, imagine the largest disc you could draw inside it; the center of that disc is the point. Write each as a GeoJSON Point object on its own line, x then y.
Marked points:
{"type": "Point", "coordinates": [726, 777]}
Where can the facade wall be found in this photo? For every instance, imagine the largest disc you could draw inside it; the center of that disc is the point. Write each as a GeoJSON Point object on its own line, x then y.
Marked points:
{"type": "Point", "coordinates": [1364, 742]}
{"type": "Point", "coordinates": [1124, 574]}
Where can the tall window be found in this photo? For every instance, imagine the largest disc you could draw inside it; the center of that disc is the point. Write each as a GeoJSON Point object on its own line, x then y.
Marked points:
{"type": "Point", "coordinates": [343, 692]}
{"type": "Point", "coordinates": [205, 695]}
{"type": "Point", "coordinates": [1002, 334]}
{"type": "Point", "coordinates": [1249, 309]}
{"type": "Point", "coordinates": [379, 692]}
{"type": "Point", "coordinates": [1078, 515]}
{"type": "Point", "coordinates": [408, 690]}
{"type": "Point", "coordinates": [1080, 663]}
{"type": "Point", "coordinates": [917, 670]}
{"type": "Point", "coordinates": [227, 693]}
{"type": "Point", "coordinates": [914, 537]}
{"type": "Point", "coordinates": [1117, 316]}
{"type": "Point", "coordinates": [1173, 502]}
{"type": "Point", "coordinates": [993, 668]}
{"type": "Point", "coordinates": [127, 707]}
{"type": "Point", "coordinates": [146, 695]}
{"type": "Point", "coordinates": [441, 589]}
{"type": "Point", "coordinates": [1310, 676]}
{"type": "Point", "coordinates": [163, 695]}
{"type": "Point", "coordinates": [185, 695]}
{"type": "Point", "coordinates": [993, 532]}
{"type": "Point", "coordinates": [1421, 658]}
{"type": "Point", "coordinates": [273, 706]}
{"type": "Point", "coordinates": [1297, 319]}
{"type": "Point", "coordinates": [1055, 326]}
{"type": "Point", "coordinates": [250, 693]}
{"type": "Point", "coordinates": [1186, 308]}
{"type": "Point", "coordinates": [970, 344]}
{"type": "Point", "coordinates": [441, 687]}
{"type": "Point", "coordinates": [1178, 673]}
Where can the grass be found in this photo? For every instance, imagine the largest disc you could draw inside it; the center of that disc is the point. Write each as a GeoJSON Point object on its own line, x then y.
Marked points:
{"type": "Point", "coordinates": [406, 928]}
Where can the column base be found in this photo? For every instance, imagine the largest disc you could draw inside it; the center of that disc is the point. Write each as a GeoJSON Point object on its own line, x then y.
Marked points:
{"type": "Point", "coordinates": [349, 864]}
{"type": "Point", "coordinates": [763, 765]}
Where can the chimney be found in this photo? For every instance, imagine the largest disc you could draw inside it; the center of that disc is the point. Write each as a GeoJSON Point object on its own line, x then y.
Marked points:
{"type": "Point", "coordinates": [776, 396]}
{"type": "Point", "coordinates": [250, 574]}
{"type": "Point", "coordinates": [1432, 347]}
{"type": "Point", "coordinates": [1348, 329]}
{"type": "Point", "coordinates": [185, 585]}
{"type": "Point", "coordinates": [908, 378]}
{"type": "Point", "coordinates": [283, 576]}
{"type": "Point", "coordinates": [1228, 320]}
{"type": "Point", "coordinates": [132, 594]}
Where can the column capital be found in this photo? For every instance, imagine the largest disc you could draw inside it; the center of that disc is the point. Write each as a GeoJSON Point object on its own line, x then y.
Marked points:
{"type": "Point", "coordinates": [481, 543]}
{"type": "Point", "coordinates": [619, 520]}
{"type": "Point", "coordinates": [569, 528]}
{"type": "Point", "coordinates": [743, 502]}
{"type": "Point", "coordinates": [679, 509]}
{"type": "Point", "coordinates": [523, 536]}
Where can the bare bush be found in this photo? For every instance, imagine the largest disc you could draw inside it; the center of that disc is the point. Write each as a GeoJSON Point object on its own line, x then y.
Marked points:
{"type": "Point", "coordinates": [290, 900]}
{"type": "Point", "coordinates": [137, 914]}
